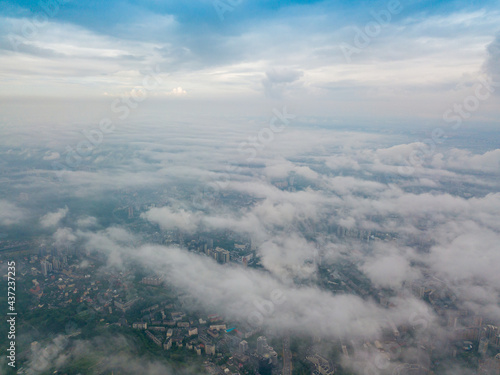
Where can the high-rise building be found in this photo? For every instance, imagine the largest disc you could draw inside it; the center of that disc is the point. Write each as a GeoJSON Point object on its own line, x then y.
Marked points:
{"type": "Point", "coordinates": [221, 255]}
{"type": "Point", "coordinates": [54, 252]}
{"type": "Point", "coordinates": [224, 256]}
{"type": "Point", "coordinates": [56, 264]}
{"type": "Point", "coordinates": [491, 332]}
{"type": "Point", "coordinates": [274, 357]}
{"type": "Point", "coordinates": [243, 347]}
{"type": "Point", "coordinates": [483, 346]}
{"type": "Point", "coordinates": [478, 321]}
{"type": "Point", "coordinates": [261, 345]}
{"type": "Point", "coordinates": [44, 267]}
{"type": "Point", "coordinates": [452, 321]}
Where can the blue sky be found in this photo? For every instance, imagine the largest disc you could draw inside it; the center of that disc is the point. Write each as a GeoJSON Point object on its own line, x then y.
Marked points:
{"type": "Point", "coordinates": [429, 55]}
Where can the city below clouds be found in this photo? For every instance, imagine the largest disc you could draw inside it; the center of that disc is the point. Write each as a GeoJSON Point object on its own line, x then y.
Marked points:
{"type": "Point", "coordinates": [324, 174]}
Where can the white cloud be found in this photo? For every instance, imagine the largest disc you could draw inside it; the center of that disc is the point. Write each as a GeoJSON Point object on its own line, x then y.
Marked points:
{"type": "Point", "coordinates": [51, 156]}
{"type": "Point", "coordinates": [10, 213]}
{"type": "Point", "coordinates": [52, 219]}
{"type": "Point", "coordinates": [167, 218]}
{"type": "Point", "coordinates": [457, 159]}
{"type": "Point", "coordinates": [239, 292]}
{"type": "Point", "coordinates": [179, 91]}
{"type": "Point", "coordinates": [86, 222]}
{"type": "Point", "coordinates": [64, 237]}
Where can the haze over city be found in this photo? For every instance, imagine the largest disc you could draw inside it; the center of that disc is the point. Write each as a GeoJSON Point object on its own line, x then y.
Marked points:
{"type": "Point", "coordinates": [250, 187]}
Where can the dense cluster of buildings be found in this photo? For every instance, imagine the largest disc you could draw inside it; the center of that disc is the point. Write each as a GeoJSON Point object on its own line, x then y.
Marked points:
{"type": "Point", "coordinates": [207, 336]}
{"type": "Point", "coordinates": [321, 365]}
{"type": "Point", "coordinates": [61, 278]}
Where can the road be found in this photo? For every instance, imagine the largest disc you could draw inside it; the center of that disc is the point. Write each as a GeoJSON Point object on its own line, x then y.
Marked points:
{"type": "Point", "coordinates": [287, 356]}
